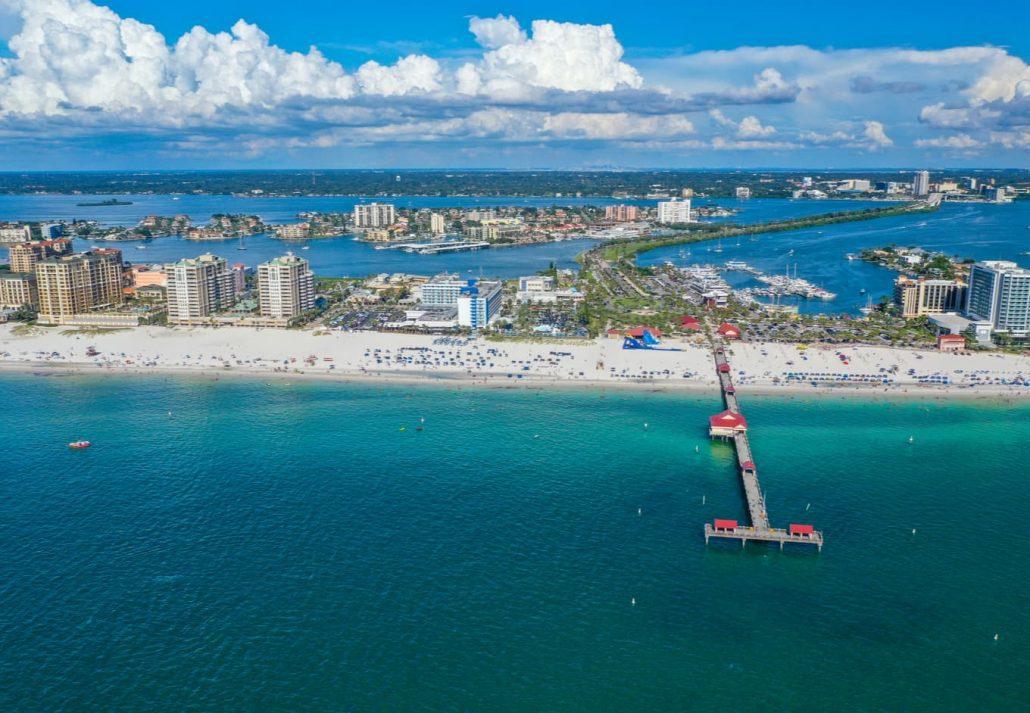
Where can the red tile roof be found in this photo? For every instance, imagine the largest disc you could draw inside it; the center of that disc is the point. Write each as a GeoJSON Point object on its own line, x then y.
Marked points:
{"type": "Point", "coordinates": [728, 419]}
{"type": "Point", "coordinates": [639, 331]}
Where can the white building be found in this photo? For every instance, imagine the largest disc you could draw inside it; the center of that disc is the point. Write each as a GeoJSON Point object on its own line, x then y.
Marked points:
{"type": "Point", "coordinates": [674, 211]}
{"type": "Point", "coordinates": [50, 231]}
{"type": "Point", "coordinates": [921, 183]}
{"type": "Point", "coordinates": [743, 192]}
{"type": "Point", "coordinates": [536, 283]}
{"type": "Point", "coordinates": [286, 287]}
{"type": "Point", "coordinates": [374, 215]}
{"type": "Point", "coordinates": [199, 287]}
{"type": "Point", "coordinates": [999, 293]}
{"type": "Point", "coordinates": [479, 304]}
{"type": "Point", "coordinates": [16, 234]}
{"type": "Point", "coordinates": [437, 224]}
{"type": "Point", "coordinates": [442, 291]}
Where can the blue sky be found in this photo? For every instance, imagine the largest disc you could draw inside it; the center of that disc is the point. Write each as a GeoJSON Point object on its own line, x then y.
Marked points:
{"type": "Point", "coordinates": [130, 84]}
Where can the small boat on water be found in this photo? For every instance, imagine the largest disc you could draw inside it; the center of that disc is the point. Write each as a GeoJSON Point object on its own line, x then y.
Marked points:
{"type": "Point", "coordinates": [79, 444]}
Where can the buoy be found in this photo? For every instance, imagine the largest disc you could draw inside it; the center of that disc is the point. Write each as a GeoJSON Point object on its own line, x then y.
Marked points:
{"type": "Point", "coordinates": [645, 424]}
{"type": "Point", "coordinates": [536, 435]}
{"type": "Point", "coordinates": [808, 506]}
{"type": "Point", "coordinates": [910, 439]}
{"type": "Point", "coordinates": [703, 499]}
{"type": "Point", "coordinates": [995, 637]}
{"type": "Point", "coordinates": [633, 601]}
{"type": "Point", "coordinates": [697, 449]}
{"type": "Point", "coordinates": [422, 420]}
{"type": "Point", "coordinates": [639, 510]}
{"type": "Point", "coordinates": [913, 530]}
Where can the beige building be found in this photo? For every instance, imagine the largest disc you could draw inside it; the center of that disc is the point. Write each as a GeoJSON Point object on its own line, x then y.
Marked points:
{"type": "Point", "coordinates": [198, 287]}
{"type": "Point", "coordinates": [293, 231]}
{"type": "Point", "coordinates": [18, 289]}
{"type": "Point", "coordinates": [24, 256]}
{"type": "Point", "coordinates": [76, 284]}
{"type": "Point", "coordinates": [437, 224]}
{"type": "Point", "coordinates": [286, 287]}
{"type": "Point", "coordinates": [145, 276]}
{"type": "Point", "coordinates": [918, 297]}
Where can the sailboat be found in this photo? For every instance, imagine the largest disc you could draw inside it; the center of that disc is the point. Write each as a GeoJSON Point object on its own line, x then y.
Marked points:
{"type": "Point", "coordinates": [718, 248]}
{"type": "Point", "coordinates": [241, 246]}
{"type": "Point", "coordinates": [868, 309]}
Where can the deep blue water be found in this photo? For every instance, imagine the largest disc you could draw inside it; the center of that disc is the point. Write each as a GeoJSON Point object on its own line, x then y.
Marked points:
{"type": "Point", "coordinates": [979, 231]}
{"type": "Point", "coordinates": [227, 545]}
{"type": "Point", "coordinates": [343, 256]}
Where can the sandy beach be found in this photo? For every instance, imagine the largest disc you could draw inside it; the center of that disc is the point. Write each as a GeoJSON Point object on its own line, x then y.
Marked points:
{"type": "Point", "coordinates": [372, 356]}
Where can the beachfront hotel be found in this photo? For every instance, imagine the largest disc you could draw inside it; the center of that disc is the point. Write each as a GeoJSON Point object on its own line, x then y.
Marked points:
{"type": "Point", "coordinates": [198, 287]}
{"type": "Point", "coordinates": [286, 287]}
{"type": "Point", "coordinates": [479, 304]}
{"type": "Point", "coordinates": [75, 284]}
{"type": "Point", "coordinates": [919, 297]}
{"type": "Point", "coordinates": [999, 293]}
{"type": "Point", "coordinates": [18, 289]}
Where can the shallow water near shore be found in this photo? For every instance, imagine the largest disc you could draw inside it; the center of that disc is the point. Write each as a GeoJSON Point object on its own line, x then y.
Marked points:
{"type": "Point", "coordinates": [302, 546]}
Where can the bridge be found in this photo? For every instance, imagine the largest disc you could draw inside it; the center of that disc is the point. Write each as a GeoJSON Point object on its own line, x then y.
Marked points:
{"type": "Point", "coordinates": [731, 425]}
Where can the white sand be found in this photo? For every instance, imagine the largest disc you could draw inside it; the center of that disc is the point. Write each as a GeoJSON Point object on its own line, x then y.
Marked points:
{"type": "Point", "coordinates": [371, 356]}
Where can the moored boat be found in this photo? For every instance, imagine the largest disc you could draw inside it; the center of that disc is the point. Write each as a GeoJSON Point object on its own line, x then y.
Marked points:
{"type": "Point", "coordinates": [79, 444]}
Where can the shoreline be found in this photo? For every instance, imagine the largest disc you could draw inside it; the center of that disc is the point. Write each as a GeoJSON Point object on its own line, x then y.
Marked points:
{"type": "Point", "coordinates": [43, 369]}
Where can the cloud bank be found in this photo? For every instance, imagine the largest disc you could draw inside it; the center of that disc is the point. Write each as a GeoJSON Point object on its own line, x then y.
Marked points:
{"type": "Point", "coordinates": [81, 72]}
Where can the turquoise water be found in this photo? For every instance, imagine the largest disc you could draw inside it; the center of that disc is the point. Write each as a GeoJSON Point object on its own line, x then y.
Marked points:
{"type": "Point", "coordinates": [288, 547]}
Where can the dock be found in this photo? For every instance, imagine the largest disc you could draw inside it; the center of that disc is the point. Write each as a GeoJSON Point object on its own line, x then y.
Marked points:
{"type": "Point", "coordinates": [731, 425]}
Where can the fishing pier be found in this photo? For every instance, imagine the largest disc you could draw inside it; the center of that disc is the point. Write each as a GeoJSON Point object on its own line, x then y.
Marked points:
{"type": "Point", "coordinates": [731, 425]}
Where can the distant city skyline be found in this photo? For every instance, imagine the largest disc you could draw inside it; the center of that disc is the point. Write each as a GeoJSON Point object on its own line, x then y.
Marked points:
{"type": "Point", "coordinates": [133, 85]}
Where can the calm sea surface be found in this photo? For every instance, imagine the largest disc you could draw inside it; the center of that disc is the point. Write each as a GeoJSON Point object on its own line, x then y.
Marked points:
{"type": "Point", "coordinates": [344, 256]}
{"type": "Point", "coordinates": [980, 231]}
{"type": "Point", "coordinates": [236, 546]}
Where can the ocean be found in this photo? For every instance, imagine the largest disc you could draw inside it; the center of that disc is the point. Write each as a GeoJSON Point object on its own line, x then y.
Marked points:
{"type": "Point", "coordinates": [237, 545]}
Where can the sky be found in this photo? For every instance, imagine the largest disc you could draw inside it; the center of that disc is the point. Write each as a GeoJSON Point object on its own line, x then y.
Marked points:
{"type": "Point", "coordinates": [133, 84]}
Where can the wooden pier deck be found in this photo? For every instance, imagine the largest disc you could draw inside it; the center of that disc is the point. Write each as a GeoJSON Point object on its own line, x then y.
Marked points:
{"type": "Point", "coordinates": [760, 529]}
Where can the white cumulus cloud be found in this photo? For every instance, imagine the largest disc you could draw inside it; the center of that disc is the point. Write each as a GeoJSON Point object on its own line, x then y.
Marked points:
{"type": "Point", "coordinates": [558, 55]}
{"type": "Point", "coordinates": [750, 128]}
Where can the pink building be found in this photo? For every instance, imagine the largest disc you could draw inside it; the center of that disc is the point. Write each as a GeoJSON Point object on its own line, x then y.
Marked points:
{"type": "Point", "coordinates": [144, 276]}
{"type": "Point", "coordinates": [622, 213]}
{"type": "Point", "coordinates": [239, 276]}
